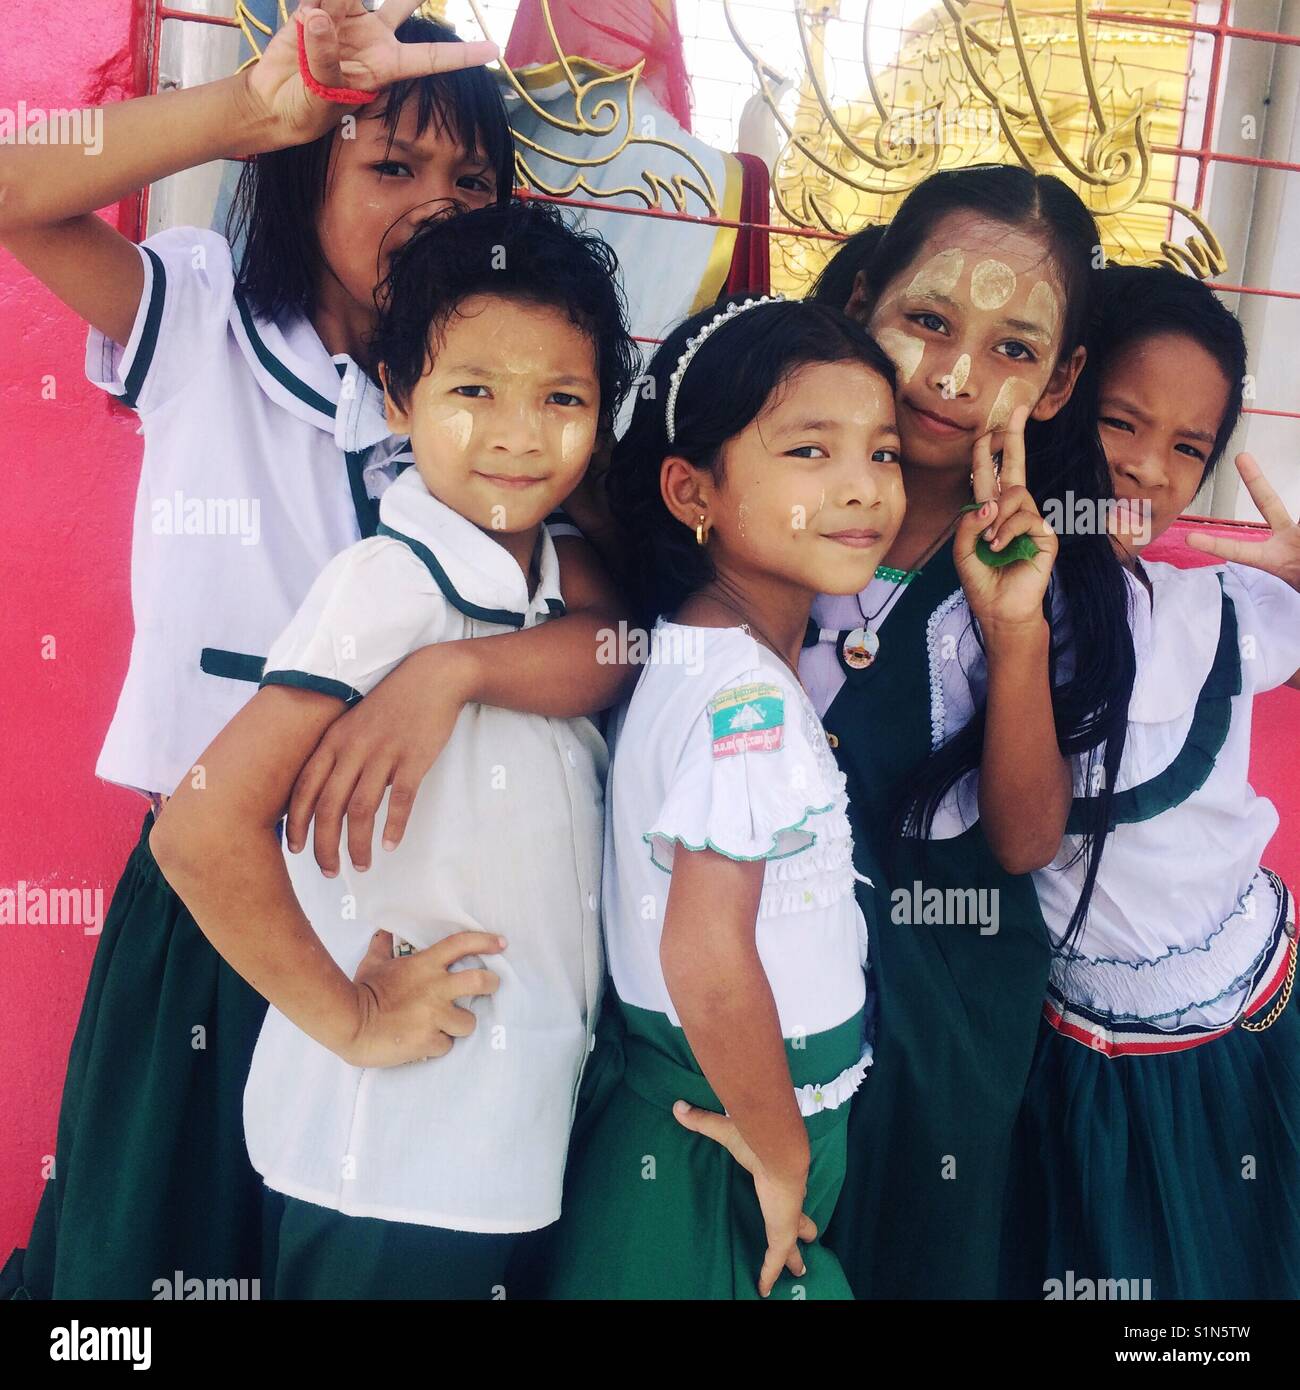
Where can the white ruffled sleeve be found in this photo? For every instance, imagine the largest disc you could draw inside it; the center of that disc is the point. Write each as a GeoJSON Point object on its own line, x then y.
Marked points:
{"type": "Point", "coordinates": [752, 778]}
{"type": "Point", "coordinates": [1268, 626]}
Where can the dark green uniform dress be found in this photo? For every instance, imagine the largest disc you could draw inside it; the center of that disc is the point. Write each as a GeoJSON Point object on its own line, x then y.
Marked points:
{"type": "Point", "coordinates": [920, 1212]}
{"type": "Point", "coordinates": [151, 1174]}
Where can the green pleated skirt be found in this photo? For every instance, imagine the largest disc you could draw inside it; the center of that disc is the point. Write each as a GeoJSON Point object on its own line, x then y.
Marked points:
{"type": "Point", "coordinates": [151, 1174]}
{"type": "Point", "coordinates": [1181, 1169]}
{"type": "Point", "coordinates": [323, 1254]}
{"type": "Point", "coordinates": [655, 1211]}
{"type": "Point", "coordinates": [930, 1137]}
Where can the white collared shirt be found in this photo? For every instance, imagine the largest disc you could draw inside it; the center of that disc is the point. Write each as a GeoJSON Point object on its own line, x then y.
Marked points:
{"type": "Point", "coordinates": [264, 456]}
{"type": "Point", "coordinates": [1180, 916]}
{"type": "Point", "coordinates": [505, 836]}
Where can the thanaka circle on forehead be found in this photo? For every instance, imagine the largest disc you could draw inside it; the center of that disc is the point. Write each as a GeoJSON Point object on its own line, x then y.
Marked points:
{"type": "Point", "coordinates": [939, 275]}
{"type": "Point", "coordinates": [903, 350]}
{"type": "Point", "coordinates": [992, 283]}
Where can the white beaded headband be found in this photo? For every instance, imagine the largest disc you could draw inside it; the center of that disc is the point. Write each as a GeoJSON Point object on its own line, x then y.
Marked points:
{"type": "Point", "coordinates": [693, 345]}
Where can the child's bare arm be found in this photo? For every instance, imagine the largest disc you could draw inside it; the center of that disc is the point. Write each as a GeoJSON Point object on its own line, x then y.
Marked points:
{"type": "Point", "coordinates": [49, 193]}
{"type": "Point", "coordinates": [722, 996]}
{"type": "Point", "coordinates": [394, 736]}
{"type": "Point", "coordinates": [215, 843]}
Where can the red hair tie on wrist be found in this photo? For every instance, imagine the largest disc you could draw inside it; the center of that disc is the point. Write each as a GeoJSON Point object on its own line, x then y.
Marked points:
{"type": "Point", "coordinates": [344, 95]}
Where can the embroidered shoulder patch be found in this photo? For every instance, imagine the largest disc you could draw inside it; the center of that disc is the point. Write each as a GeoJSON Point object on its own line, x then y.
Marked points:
{"type": "Point", "coordinates": [747, 719]}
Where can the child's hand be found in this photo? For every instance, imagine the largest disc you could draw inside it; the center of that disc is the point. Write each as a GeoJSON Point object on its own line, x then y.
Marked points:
{"type": "Point", "coordinates": [392, 737]}
{"type": "Point", "coordinates": [406, 1010]}
{"type": "Point", "coordinates": [346, 47]}
{"type": "Point", "coordinates": [781, 1199]}
{"type": "Point", "coordinates": [1280, 554]}
{"type": "Point", "coordinates": [1008, 595]}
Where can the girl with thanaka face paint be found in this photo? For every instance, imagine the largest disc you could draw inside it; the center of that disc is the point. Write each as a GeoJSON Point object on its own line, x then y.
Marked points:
{"type": "Point", "coordinates": [1167, 1053]}
{"type": "Point", "coordinates": [253, 378]}
{"type": "Point", "coordinates": [979, 291]}
{"type": "Point", "coordinates": [761, 470]}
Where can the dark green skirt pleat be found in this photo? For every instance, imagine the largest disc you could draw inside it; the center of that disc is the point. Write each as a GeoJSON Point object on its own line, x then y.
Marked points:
{"type": "Point", "coordinates": [322, 1254]}
{"type": "Point", "coordinates": [1181, 1168]}
{"type": "Point", "coordinates": [151, 1174]}
{"type": "Point", "coordinates": [930, 1136]}
{"type": "Point", "coordinates": [654, 1211]}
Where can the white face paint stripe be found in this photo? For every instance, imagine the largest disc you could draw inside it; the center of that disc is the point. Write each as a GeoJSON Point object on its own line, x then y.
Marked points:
{"type": "Point", "coordinates": [1002, 406]}
{"type": "Point", "coordinates": [1043, 303]}
{"type": "Point", "coordinates": [459, 426]}
{"type": "Point", "coordinates": [992, 283]}
{"type": "Point", "coordinates": [960, 371]}
{"type": "Point", "coordinates": [903, 350]}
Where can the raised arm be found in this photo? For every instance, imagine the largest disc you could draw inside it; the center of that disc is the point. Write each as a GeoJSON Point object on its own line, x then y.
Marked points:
{"type": "Point", "coordinates": [49, 193]}
{"type": "Point", "coordinates": [216, 845]}
{"type": "Point", "coordinates": [1024, 784]}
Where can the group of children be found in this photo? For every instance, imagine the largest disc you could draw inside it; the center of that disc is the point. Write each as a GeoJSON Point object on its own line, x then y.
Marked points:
{"type": "Point", "coordinates": [665, 1023]}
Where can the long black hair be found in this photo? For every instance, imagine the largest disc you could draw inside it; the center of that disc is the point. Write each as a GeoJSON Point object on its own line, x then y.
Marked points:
{"type": "Point", "coordinates": [1136, 302]}
{"type": "Point", "coordinates": [1091, 660]}
{"type": "Point", "coordinates": [524, 251]}
{"type": "Point", "coordinates": [280, 193]}
{"type": "Point", "coordinates": [729, 381]}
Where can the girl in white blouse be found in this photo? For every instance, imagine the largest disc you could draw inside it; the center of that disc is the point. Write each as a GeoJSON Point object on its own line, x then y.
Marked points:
{"type": "Point", "coordinates": [503, 350]}
{"type": "Point", "coordinates": [1159, 1128]}
{"type": "Point", "coordinates": [761, 470]}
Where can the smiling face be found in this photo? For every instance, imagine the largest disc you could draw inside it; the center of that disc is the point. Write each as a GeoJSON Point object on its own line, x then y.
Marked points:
{"type": "Point", "coordinates": [376, 193]}
{"type": "Point", "coordinates": [974, 325]}
{"type": "Point", "coordinates": [504, 422]}
{"type": "Point", "coordinates": [1162, 401]}
{"type": "Point", "coordinates": [810, 491]}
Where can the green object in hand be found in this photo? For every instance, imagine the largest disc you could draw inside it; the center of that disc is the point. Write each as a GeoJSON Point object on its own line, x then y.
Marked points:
{"type": "Point", "coordinates": [1022, 548]}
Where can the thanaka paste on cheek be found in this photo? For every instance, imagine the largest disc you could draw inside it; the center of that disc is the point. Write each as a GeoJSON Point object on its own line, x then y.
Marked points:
{"type": "Point", "coordinates": [939, 275]}
{"type": "Point", "coordinates": [571, 440]}
{"type": "Point", "coordinates": [1003, 404]}
{"type": "Point", "coordinates": [458, 428]}
{"type": "Point", "coordinates": [992, 283]}
{"type": "Point", "coordinates": [903, 350]}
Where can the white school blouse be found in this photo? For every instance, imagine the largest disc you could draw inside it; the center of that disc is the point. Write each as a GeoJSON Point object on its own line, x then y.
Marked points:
{"type": "Point", "coordinates": [263, 458]}
{"type": "Point", "coordinates": [719, 747]}
{"type": "Point", "coordinates": [505, 836]}
{"type": "Point", "coordinates": [1183, 924]}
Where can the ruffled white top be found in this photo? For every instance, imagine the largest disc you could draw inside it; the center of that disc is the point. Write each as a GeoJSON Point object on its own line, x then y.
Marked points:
{"type": "Point", "coordinates": [1181, 915]}
{"type": "Point", "coordinates": [720, 747]}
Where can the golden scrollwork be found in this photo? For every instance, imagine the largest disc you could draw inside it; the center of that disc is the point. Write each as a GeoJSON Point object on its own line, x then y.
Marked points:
{"type": "Point", "coordinates": [1051, 84]}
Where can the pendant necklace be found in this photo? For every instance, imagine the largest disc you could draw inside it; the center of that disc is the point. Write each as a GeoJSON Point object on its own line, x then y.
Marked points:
{"type": "Point", "coordinates": [861, 646]}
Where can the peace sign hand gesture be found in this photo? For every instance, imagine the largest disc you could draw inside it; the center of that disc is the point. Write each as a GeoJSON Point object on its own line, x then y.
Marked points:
{"type": "Point", "coordinates": [1280, 554]}
{"type": "Point", "coordinates": [347, 47]}
{"type": "Point", "coordinates": [1008, 594]}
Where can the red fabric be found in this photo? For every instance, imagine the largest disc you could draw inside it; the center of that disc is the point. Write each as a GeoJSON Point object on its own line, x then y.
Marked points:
{"type": "Point", "coordinates": [617, 33]}
{"type": "Point", "coordinates": [751, 266]}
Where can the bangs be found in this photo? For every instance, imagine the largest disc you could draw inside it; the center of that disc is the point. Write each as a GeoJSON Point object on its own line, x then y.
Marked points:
{"type": "Point", "coordinates": [464, 107]}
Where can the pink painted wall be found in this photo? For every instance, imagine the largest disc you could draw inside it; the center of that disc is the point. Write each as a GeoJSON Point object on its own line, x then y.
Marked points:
{"type": "Point", "coordinates": [71, 462]}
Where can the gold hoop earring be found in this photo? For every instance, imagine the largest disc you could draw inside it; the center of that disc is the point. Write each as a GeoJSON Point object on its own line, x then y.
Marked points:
{"type": "Point", "coordinates": [701, 532]}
